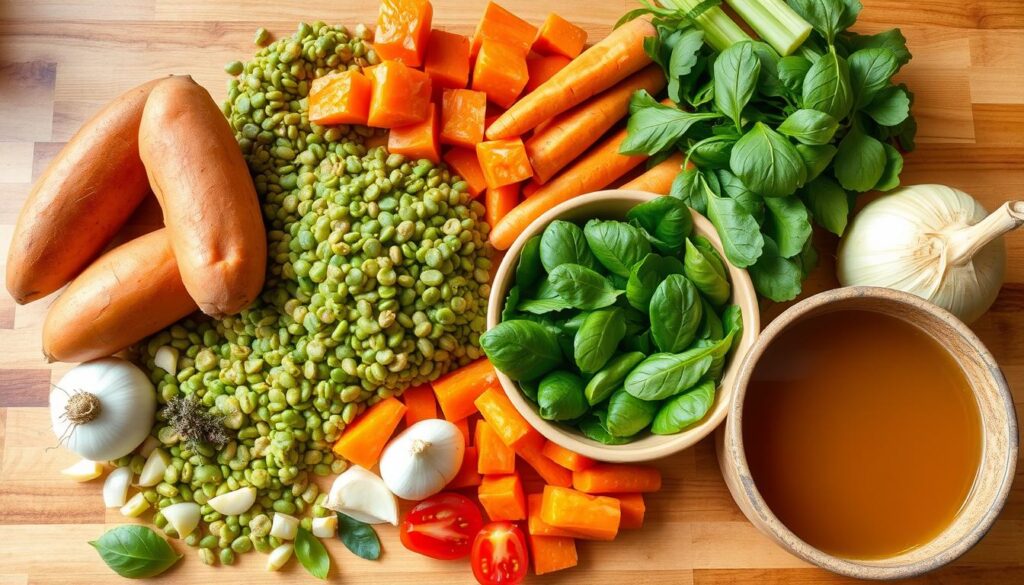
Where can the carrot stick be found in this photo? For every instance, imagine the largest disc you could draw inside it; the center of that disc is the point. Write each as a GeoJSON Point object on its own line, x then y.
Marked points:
{"type": "Point", "coordinates": [570, 133]}
{"type": "Point", "coordinates": [536, 525]}
{"type": "Point", "coordinates": [499, 201]}
{"type": "Point", "coordinates": [595, 516]}
{"type": "Point", "coordinates": [364, 439]}
{"type": "Point", "coordinates": [530, 450]}
{"type": "Point", "coordinates": [419, 404]}
{"type": "Point", "coordinates": [596, 170]}
{"type": "Point", "coordinates": [463, 425]}
{"type": "Point", "coordinates": [498, 411]}
{"type": "Point", "coordinates": [496, 458]}
{"type": "Point", "coordinates": [607, 478]}
{"type": "Point", "coordinates": [552, 553]}
{"type": "Point", "coordinates": [502, 497]}
{"type": "Point", "coordinates": [601, 66]}
{"type": "Point", "coordinates": [467, 475]}
{"type": "Point", "coordinates": [658, 179]}
{"type": "Point", "coordinates": [457, 390]}
{"type": "Point", "coordinates": [566, 458]}
{"type": "Point", "coordinates": [633, 508]}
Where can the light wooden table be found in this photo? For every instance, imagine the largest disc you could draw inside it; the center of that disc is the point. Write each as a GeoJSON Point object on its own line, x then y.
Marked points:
{"type": "Point", "coordinates": [61, 59]}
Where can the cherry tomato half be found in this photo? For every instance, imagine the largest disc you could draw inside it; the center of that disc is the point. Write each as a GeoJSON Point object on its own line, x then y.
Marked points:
{"type": "Point", "coordinates": [499, 555]}
{"type": "Point", "coordinates": [442, 526]}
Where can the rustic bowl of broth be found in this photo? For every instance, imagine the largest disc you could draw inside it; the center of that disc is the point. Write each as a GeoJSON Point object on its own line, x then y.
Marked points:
{"type": "Point", "coordinates": [872, 434]}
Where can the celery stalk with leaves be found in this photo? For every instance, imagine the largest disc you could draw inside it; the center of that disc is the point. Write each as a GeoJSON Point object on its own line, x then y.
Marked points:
{"type": "Point", "coordinates": [781, 131]}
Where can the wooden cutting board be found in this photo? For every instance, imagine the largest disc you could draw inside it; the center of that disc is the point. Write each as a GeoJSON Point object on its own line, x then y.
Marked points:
{"type": "Point", "coordinates": [60, 60]}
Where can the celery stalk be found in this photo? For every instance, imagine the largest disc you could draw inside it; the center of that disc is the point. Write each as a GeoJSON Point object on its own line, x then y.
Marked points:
{"type": "Point", "coordinates": [776, 23]}
{"type": "Point", "coordinates": [719, 30]}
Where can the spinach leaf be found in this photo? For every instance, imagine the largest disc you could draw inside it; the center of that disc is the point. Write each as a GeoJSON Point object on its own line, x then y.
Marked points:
{"type": "Point", "coordinates": [666, 218]}
{"type": "Point", "coordinates": [870, 72]}
{"type": "Point", "coordinates": [640, 343]}
{"type": "Point", "coordinates": [816, 158]}
{"type": "Point", "coordinates": [511, 303]}
{"type": "Point", "coordinates": [828, 17]}
{"type": "Point", "coordinates": [713, 151]}
{"type": "Point", "coordinates": [616, 245]}
{"type": "Point", "coordinates": [135, 551]}
{"type": "Point", "coordinates": [593, 428]}
{"type": "Point", "coordinates": [768, 82]}
{"type": "Point", "coordinates": [808, 259]}
{"type": "Point", "coordinates": [827, 86]}
{"type": "Point", "coordinates": [732, 186]}
{"type": "Point", "coordinates": [792, 71]}
{"type": "Point", "coordinates": [543, 306]}
{"type": "Point", "coordinates": [789, 224]}
{"type": "Point", "coordinates": [735, 73]}
{"type": "Point", "coordinates": [891, 39]}
{"type": "Point", "coordinates": [732, 321]}
{"type": "Point", "coordinates": [528, 269]}
{"type": "Point", "coordinates": [312, 554]}
{"type": "Point", "coordinates": [573, 324]}
{"type": "Point", "coordinates": [597, 338]}
{"type": "Point", "coordinates": [685, 50]}
{"type": "Point", "coordinates": [628, 415]}
{"type": "Point", "coordinates": [655, 127]}
{"type": "Point", "coordinates": [563, 243]}
{"type": "Point", "coordinates": [581, 287]}
{"type": "Point", "coordinates": [358, 537]}
{"type": "Point", "coordinates": [667, 374]}
{"type": "Point", "coordinates": [767, 163]}
{"type": "Point", "coordinates": [711, 255]}
{"type": "Point", "coordinates": [711, 326]}
{"type": "Point", "coordinates": [775, 277]}
{"type": "Point", "coordinates": [890, 106]}
{"type": "Point", "coordinates": [522, 349]}
{"type": "Point", "coordinates": [829, 204]}
{"type": "Point", "coordinates": [675, 314]}
{"type": "Point", "coordinates": [646, 275]}
{"type": "Point", "coordinates": [688, 188]}
{"type": "Point", "coordinates": [685, 410]}
{"type": "Point", "coordinates": [611, 376]}
{"type": "Point", "coordinates": [740, 234]}
{"type": "Point", "coordinates": [530, 389]}
{"type": "Point", "coordinates": [705, 275]}
{"type": "Point", "coordinates": [860, 161]}
{"type": "Point", "coordinates": [810, 126]}
{"type": "Point", "coordinates": [890, 178]}
{"type": "Point", "coordinates": [560, 396]}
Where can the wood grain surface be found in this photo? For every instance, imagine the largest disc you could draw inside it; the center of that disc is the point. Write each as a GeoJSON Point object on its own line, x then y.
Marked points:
{"type": "Point", "coordinates": [60, 60]}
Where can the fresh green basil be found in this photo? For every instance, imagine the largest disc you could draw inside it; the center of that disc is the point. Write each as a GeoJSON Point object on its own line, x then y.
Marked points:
{"type": "Point", "coordinates": [711, 325]}
{"type": "Point", "coordinates": [528, 269]}
{"type": "Point", "coordinates": [769, 84]}
{"type": "Point", "coordinates": [732, 186]}
{"type": "Point", "coordinates": [706, 275]}
{"type": "Point", "coordinates": [890, 107]}
{"type": "Point", "coordinates": [792, 71]}
{"type": "Point", "coordinates": [892, 40]}
{"type": "Point", "coordinates": [735, 73]}
{"type": "Point", "coordinates": [543, 306]}
{"type": "Point", "coordinates": [829, 204]}
{"type": "Point", "coordinates": [654, 127]}
{"type": "Point", "coordinates": [311, 554]}
{"type": "Point", "coordinates": [740, 234]}
{"type": "Point", "coordinates": [646, 275]}
{"type": "Point", "coordinates": [789, 224]}
{"type": "Point", "coordinates": [816, 158]}
{"type": "Point", "coordinates": [681, 412]}
{"type": "Point", "coordinates": [560, 396]}
{"type": "Point", "coordinates": [611, 376]}
{"type": "Point", "coordinates": [685, 52]}
{"type": "Point", "coordinates": [827, 86]}
{"type": "Point", "coordinates": [890, 178]}
{"type": "Point", "coordinates": [688, 187]}
{"type": "Point", "coordinates": [809, 126]}
{"type": "Point", "coordinates": [870, 72]}
{"type": "Point", "coordinates": [563, 243]}
{"type": "Point", "coordinates": [597, 338]}
{"type": "Point", "coordinates": [713, 151]}
{"type": "Point", "coordinates": [667, 219]}
{"type": "Point", "coordinates": [522, 349]}
{"type": "Point", "coordinates": [511, 303]}
{"type": "Point", "coordinates": [711, 254]}
{"type": "Point", "coordinates": [732, 323]}
{"type": "Point", "coordinates": [360, 537]}
{"type": "Point", "coordinates": [582, 288]}
{"type": "Point", "coordinates": [640, 342]}
{"type": "Point", "coordinates": [828, 17]}
{"type": "Point", "coordinates": [667, 374]}
{"type": "Point", "coordinates": [135, 551]}
{"type": "Point", "coordinates": [616, 245]}
{"type": "Point", "coordinates": [767, 162]}
{"type": "Point", "coordinates": [675, 312]}
{"type": "Point", "coordinates": [860, 161]}
{"type": "Point", "coordinates": [775, 277]}
{"type": "Point", "coordinates": [628, 415]}
{"type": "Point", "coordinates": [593, 428]}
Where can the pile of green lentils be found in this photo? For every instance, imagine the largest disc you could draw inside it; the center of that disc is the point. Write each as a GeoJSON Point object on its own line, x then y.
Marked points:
{"type": "Point", "coordinates": [377, 281]}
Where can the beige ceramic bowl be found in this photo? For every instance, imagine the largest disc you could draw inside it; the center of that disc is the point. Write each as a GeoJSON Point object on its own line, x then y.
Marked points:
{"type": "Point", "coordinates": [998, 425]}
{"type": "Point", "coordinates": [614, 205]}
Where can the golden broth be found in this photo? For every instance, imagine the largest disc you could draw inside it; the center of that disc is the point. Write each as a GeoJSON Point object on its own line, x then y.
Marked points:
{"type": "Point", "coordinates": [861, 433]}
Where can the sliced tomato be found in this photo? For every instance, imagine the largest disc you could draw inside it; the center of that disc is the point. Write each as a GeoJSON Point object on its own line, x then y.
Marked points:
{"type": "Point", "coordinates": [442, 526]}
{"type": "Point", "coordinates": [499, 555]}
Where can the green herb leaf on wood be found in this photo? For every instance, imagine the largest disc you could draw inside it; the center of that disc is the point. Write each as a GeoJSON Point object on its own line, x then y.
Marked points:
{"type": "Point", "coordinates": [358, 537]}
{"type": "Point", "coordinates": [312, 554]}
{"type": "Point", "coordinates": [789, 224]}
{"type": "Point", "coordinates": [767, 163]}
{"type": "Point", "coordinates": [135, 551]}
{"type": "Point", "coordinates": [870, 72]}
{"type": "Point", "coordinates": [827, 86]}
{"type": "Point", "coordinates": [829, 204]}
{"type": "Point", "coordinates": [656, 127]}
{"type": "Point", "coordinates": [860, 161]}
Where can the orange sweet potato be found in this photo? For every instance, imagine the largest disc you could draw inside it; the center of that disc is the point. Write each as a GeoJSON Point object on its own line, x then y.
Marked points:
{"type": "Point", "coordinates": [496, 458]}
{"type": "Point", "coordinates": [400, 95]}
{"type": "Point", "coordinates": [552, 553]}
{"type": "Point", "coordinates": [566, 458]}
{"type": "Point", "coordinates": [463, 162]}
{"type": "Point", "coordinates": [342, 97]}
{"type": "Point", "coordinates": [503, 162]}
{"type": "Point", "coordinates": [558, 36]}
{"type": "Point", "coordinates": [531, 450]}
{"type": "Point", "coordinates": [364, 439]}
{"type": "Point", "coordinates": [595, 516]}
{"type": "Point", "coordinates": [612, 478]}
{"type": "Point", "coordinates": [502, 497]}
{"type": "Point", "coordinates": [500, 24]}
{"type": "Point", "coordinates": [403, 28]}
{"type": "Point", "coordinates": [418, 140]}
{"type": "Point", "coordinates": [499, 201]}
{"type": "Point", "coordinates": [541, 68]}
{"type": "Point", "coordinates": [457, 390]}
{"type": "Point", "coordinates": [419, 404]}
{"type": "Point", "coordinates": [467, 475]}
{"type": "Point", "coordinates": [498, 411]}
{"type": "Point", "coordinates": [447, 61]}
{"type": "Point", "coordinates": [500, 71]}
{"type": "Point", "coordinates": [462, 117]}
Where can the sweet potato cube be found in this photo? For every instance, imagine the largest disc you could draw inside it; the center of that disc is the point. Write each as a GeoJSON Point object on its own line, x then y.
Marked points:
{"type": "Point", "coordinates": [364, 439]}
{"type": "Point", "coordinates": [568, 459]}
{"type": "Point", "coordinates": [463, 162]}
{"type": "Point", "coordinates": [342, 97]}
{"type": "Point", "coordinates": [403, 30]}
{"type": "Point", "coordinates": [632, 509]}
{"type": "Point", "coordinates": [595, 516]}
{"type": "Point", "coordinates": [502, 497]}
{"type": "Point", "coordinates": [418, 140]}
{"type": "Point", "coordinates": [504, 162]}
{"type": "Point", "coordinates": [462, 117]}
{"type": "Point", "coordinates": [498, 201]}
{"type": "Point", "coordinates": [447, 61]}
{"type": "Point", "coordinates": [496, 458]}
{"type": "Point", "coordinates": [467, 475]}
{"type": "Point", "coordinates": [400, 96]}
{"type": "Point", "coordinates": [500, 24]}
{"type": "Point", "coordinates": [503, 417]}
{"type": "Point", "coordinates": [552, 553]}
{"type": "Point", "coordinates": [541, 68]}
{"type": "Point", "coordinates": [558, 36]}
{"type": "Point", "coordinates": [500, 72]}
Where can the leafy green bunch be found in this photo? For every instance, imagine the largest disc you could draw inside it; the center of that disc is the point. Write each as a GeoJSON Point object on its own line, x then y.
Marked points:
{"type": "Point", "coordinates": [773, 140]}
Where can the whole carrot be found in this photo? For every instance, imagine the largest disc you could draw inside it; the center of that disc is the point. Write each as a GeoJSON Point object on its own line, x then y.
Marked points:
{"type": "Point", "coordinates": [658, 179]}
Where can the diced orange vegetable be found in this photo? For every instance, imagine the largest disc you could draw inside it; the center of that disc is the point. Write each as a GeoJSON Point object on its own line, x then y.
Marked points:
{"type": "Point", "coordinates": [530, 187]}
{"type": "Point", "coordinates": [540, 68]}
{"type": "Point", "coordinates": [495, 457]}
{"type": "Point", "coordinates": [503, 162]}
{"type": "Point", "coordinates": [594, 516]}
{"type": "Point", "coordinates": [531, 450]}
{"type": "Point", "coordinates": [500, 24]}
{"type": "Point", "coordinates": [463, 162]}
{"type": "Point", "coordinates": [401, 95]}
{"type": "Point", "coordinates": [558, 36]}
{"type": "Point", "coordinates": [500, 72]}
{"type": "Point", "coordinates": [632, 508]}
{"type": "Point", "coordinates": [462, 117]}
{"type": "Point", "coordinates": [364, 439]}
{"type": "Point", "coordinates": [502, 497]}
{"type": "Point", "coordinates": [463, 425]}
{"type": "Point", "coordinates": [612, 478]}
{"type": "Point", "coordinates": [467, 475]}
{"type": "Point", "coordinates": [498, 411]}
{"type": "Point", "coordinates": [418, 140]}
{"type": "Point", "coordinates": [447, 61]}
{"type": "Point", "coordinates": [342, 97]}
{"type": "Point", "coordinates": [552, 553]}
{"type": "Point", "coordinates": [536, 525]}
{"type": "Point", "coordinates": [457, 390]}
{"type": "Point", "coordinates": [566, 458]}
{"type": "Point", "coordinates": [403, 29]}
{"type": "Point", "coordinates": [419, 404]}
{"type": "Point", "coordinates": [499, 201]}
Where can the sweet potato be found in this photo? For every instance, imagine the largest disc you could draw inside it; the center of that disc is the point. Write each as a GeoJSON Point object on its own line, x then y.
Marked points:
{"type": "Point", "coordinates": [80, 202]}
{"type": "Point", "coordinates": [128, 293]}
{"type": "Point", "coordinates": [210, 207]}
{"type": "Point", "coordinates": [403, 27]}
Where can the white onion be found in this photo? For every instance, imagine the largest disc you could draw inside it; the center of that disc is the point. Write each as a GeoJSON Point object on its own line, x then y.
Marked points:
{"type": "Point", "coordinates": [421, 460]}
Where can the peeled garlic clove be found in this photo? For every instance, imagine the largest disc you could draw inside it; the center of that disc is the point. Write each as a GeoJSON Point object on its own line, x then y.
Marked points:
{"type": "Point", "coordinates": [84, 470]}
{"type": "Point", "coordinates": [115, 487]}
{"type": "Point", "coordinates": [235, 502]}
{"type": "Point", "coordinates": [166, 358]}
{"type": "Point", "coordinates": [284, 527]}
{"type": "Point", "coordinates": [183, 517]}
{"type": "Point", "coordinates": [363, 496]}
{"type": "Point", "coordinates": [135, 506]}
{"type": "Point", "coordinates": [153, 471]}
{"type": "Point", "coordinates": [279, 556]}
{"type": "Point", "coordinates": [147, 446]}
{"type": "Point", "coordinates": [325, 527]}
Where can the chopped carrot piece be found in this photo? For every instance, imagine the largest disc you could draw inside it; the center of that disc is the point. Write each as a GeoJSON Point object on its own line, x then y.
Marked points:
{"type": "Point", "coordinates": [462, 117]}
{"type": "Point", "coordinates": [536, 525]}
{"type": "Point", "coordinates": [401, 95]}
{"type": "Point", "coordinates": [658, 179]}
{"type": "Point", "coordinates": [467, 475]}
{"type": "Point", "coordinates": [566, 458]}
{"type": "Point", "coordinates": [419, 140]}
{"type": "Point", "coordinates": [500, 24]}
{"type": "Point", "coordinates": [531, 450]}
{"type": "Point", "coordinates": [495, 457]}
{"type": "Point", "coordinates": [558, 36]}
{"type": "Point", "coordinates": [457, 390]}
{"type": "Point", "coordinates": [500, 72]}
{"type": "Point", "coordinates": [447, 61]}
{"type": "Point", "coordinates": [502, 497]}
{"type": "Point", "coordinates": [552, 553]}
{"type": "Point", "coordinates": [342, 97]}
{"type": "Point", "coordinates": [403, 29]}
{"type": "Point", "coordinates": [498, 411]}
{"type": "Point", "coordinates": [594, 516]}
{"type": "Point", "coordinates": [503, 162]}
{"type": "Point", "coordinates": [463, 162]}
{"type": "Point", "coordinates": [611, 478]}
{"type": "Point", "coordinates": [529, 188]}
{"type": "Point", "coordinates": [499, 201]}
{"type": "Point", "coordinates": [541, 68]}
{"type": "Point", "coordinates": [463, 425]}
{"type": "Point", "coordinates": [364, 439]}
{"type": "Point", "coordinates": [633, 508]}
{"type": "Point", "coordinates": [419, 404]}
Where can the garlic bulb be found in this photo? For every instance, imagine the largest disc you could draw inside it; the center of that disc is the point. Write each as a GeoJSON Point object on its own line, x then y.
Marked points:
{"type": "Point", "coordinates": [362, 495]}
{"type": "Point", "coordinates": [103, 409]}
{"type": "Point", "coordinates": [932, 241]}
{"type": "Point", "coordinates": [420, 461]}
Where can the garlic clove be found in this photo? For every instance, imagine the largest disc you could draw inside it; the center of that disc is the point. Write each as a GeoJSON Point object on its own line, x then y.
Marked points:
{"type": "Point", "coordinates": [84, 470]}
{"type": "Point", "coordinates": [325, 527]}
{"type": "Point", "coordinates": [284, 527]}
{"type": "Point", "coordinates": [153, 471]}
{"type": "Point", "coordinates": [279, 556]}
{"type": "Point", "coordinates": [115, 487]}
{"type": "Point", "coordinates": [135, 506]}
{"type": "Point", "coordinates": [166, 358]}
{"type": "Point", "coordinates": [363, 496]}
{"type": "Point", "coordinates": [235, 502]}
{"type": "Point", "coordinates": [147, 446]}
{"type": "Point", "coordinates": [183, 517]}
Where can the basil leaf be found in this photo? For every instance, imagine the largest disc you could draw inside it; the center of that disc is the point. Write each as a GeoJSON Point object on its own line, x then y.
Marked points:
{"type": "Point", "coordinates": [685, 50]}
{"type": "Point", "coordinates": [522, 349]}
{"type": "Point", "coordinates": [667, 374]}
{"type": "Point", "coordinates": [581, 287]}
{"type": "Point", "coordinates": [543, 306]}
{"type": "Point", "coordinates": [597, 339]}
{"type": "Point", "coordinates": [739, 231]}
{"type": "Point", "coordinates": [810, 126]}
{"type": "Point", "coordinates": [560, 396]}
{"type": "Point", "coordinates": [788, 224]}
{"type": "Point", "coordinates": [768, 82]}
{"type": "Point", "coordinates": [667, 218]}
{"type": "Point", "coordinates": [646, 275]}
{"type": "Point", "coordinates": [135, 551]}
{"type": "Point", "coordinates": [732, 186]}
{"type": "Point", "coordinates": [870, 72]}
{"type": "Point", "coordinates": [860, 161]}
{"type": "Point", "coordinates": [675, 313]}
{"type": "Point", "coordinates": [563, 243]}
{"type": "Point", "coordinates": [890, 106]}
{"type": "Point", "coordinates": [713, 151]}
{"type": "Point", "coordinates": [360, 537]}
{"type": "Point", "coordinates": [828, 17]}
{"type": "Point", "coordinates": [687, 188]}
{"type": "Point", "coordinates": [628, 415]}
{"type": "Point", "coordinates": [735, 73]}
{"type": "Point", "coordinates": [711, 326]}
{"type": "Point", "coordinates": [827, 86]}
{"type": "Point", "coordinates": [829, 204]}
{"type": "Point", "coordinates": [705, 275]}
{"type": "Point", "coordinates": [816, 158]}
{"type": "Point", "coordinates": [511, 303]}
{"type": "Point", "coordinates": [528, 269]}
{"type": "Point", "coordinates": [601, 385]}
{"type": "Point", "coordinates": [775, 277]}
{"type": "Point", "coordinates": [732, 321]}
{"type": "Point", "coordinates": [767, 163]}
{"type": "Point", "coordinates": [616, 245]}
{"type": "Point", "coordinates": [792, 71]}
{"type": "Point", "coordinates": [656, 127]}
{"type": "Point", "coordinates": [890, 178]}
{"type": "Point", "coordinates": [892, 39]}
{"type": "Point", "coordinates": [312, 554]}
{"type": "Point", "coordinates": [593, 428]}
{"type": "Point", "coordinates": [808, 259]}
{"type": "Point", "coordinates": [685, 410]}
{"type": "Point", "coordinates": [711, 254]}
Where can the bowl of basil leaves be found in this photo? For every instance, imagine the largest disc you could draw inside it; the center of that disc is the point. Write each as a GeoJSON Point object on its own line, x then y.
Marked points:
{"type": "Point", "coordinates": [616, 325]}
